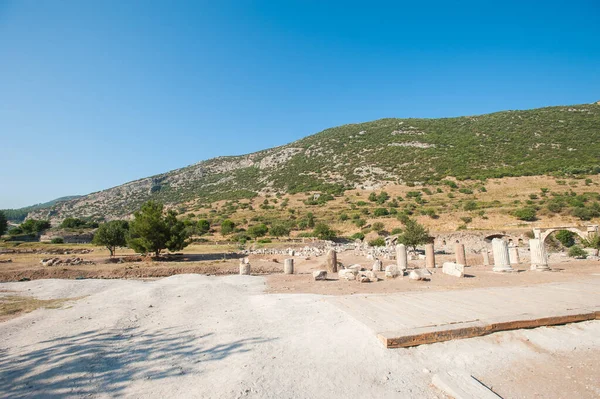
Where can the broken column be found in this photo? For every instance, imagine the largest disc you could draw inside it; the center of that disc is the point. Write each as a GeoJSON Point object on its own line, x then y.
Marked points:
{"type": "Point", "coordinates": [539, 258]}
{"type": "Point", "coordinates": [288, 266]}
{"type": "Point", "coordinates": [513, 254]}
{"type": "Point", "coordinates": [453, 269]}
{"type": "Point", "coordinates": [401, 257]}
{"type": "Point", "coordinates": [501, 259]}
{"type": "Point", "coordinates": [461, 256]}
{"type": "Point", "coordinates": [245, 266]}
{"type": "Point", "coordinates": [429, 256]}
{"type": "Point", "coordinates": [377, 266]}
{"type": "Point", "coordinates": [486, 257]}
{"type": "Point", "coordinates": [332, 261]}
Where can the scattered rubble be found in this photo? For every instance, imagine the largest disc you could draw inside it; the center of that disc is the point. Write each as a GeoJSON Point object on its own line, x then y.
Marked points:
{"type": "Point", "coordinates": [67, 261]}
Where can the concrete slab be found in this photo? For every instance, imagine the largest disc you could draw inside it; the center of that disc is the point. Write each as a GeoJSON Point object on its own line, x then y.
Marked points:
{"type": "Point", "coordinates": [415, 318]}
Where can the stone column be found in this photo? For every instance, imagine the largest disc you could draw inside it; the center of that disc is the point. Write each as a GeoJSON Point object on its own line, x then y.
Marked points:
{"type": "Point", "coordinates": [486, 257]}
{"type": "Point", "coordinates": [429, 256]}
{"type": "Point", "coordinates": [539, 258]}
{"type": "Point", "coordinates": [461, 256]}
{"type": "Point", "coordinates": [288, 266]}
{"type": "Point", "coordinates": [513, 254]}
{"type": "Point", "coordinates": [244, 268]}
{"type": "Point", "coordinates": [401, 257]}
{"type": "Point", "coordinates": [501, 259]}
{"type": "Point", "coordinates": [332, 261]}
{"type": "Point", "coordinates": [377, 266]}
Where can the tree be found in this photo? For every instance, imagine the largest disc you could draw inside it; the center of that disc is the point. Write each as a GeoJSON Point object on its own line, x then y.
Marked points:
{"type": "Point", "coordinates": [227, 227]}
{"type": "Point", "coordinates": [414, 234]}
{"type": "Point", "coordinates": [3, 223]}
{"type": "Point", "coordinates": [203, 226]}
{"type": "Point", "coordinates": [279, 230]}
{"type": "Point", "coordinates": [566, 238]}
{"type": "Point", "coordinates": [112, 235]}
{"type": "Point", "coordinates": [72, 223]}
{"type": "Point", "coordinates": [257, 230]}
{"type": "Point", "coordinates": [151, 231]}
{"type": "Point", "coordinates": [526, 214]}
{"type": "Point", "coordinates": [323, 232]}
{"type": "Point", "coordinates": [34, 226]}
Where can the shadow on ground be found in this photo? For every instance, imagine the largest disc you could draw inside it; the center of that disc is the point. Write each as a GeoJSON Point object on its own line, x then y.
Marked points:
{"type": "Point", "coordinates": [107, 361]}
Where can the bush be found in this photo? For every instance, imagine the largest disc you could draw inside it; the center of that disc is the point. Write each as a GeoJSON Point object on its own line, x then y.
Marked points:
{"type": "Point", "coordinates": [378, 212]}
{"type": "Point", "coordinates": [378, 226]}
{"type": "Point", "coordinates": [397, 230]}
{"type": "Point", "coordinates": [57, 240]}
{"type": "Point", "coordinates": [577, 252]}
{"type": "Point", "coordinates": [566, 238]}
{"type": "Point", "coordinates": [323, 232]}
{"type": "Point", "coordinates": [378, 242]}
{"type": "Point", "coordinates": [257, 230]}
{"type": "Point", "coordinates": [526, 214]}
{"type": "Point", "coordinates": [357, 236]}
{"type": "Point", "coordinates": [227, 227]}
{"type": "Point", "coordinates": [264, 241]}
{"type": "Point", "coordinates": [470, 206]}
{"type": "Point", "coordinates": [279, 230]}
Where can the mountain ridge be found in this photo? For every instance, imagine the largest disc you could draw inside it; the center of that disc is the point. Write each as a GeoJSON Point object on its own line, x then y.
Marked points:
{"type": "Point", "coordinates": [370, 155]}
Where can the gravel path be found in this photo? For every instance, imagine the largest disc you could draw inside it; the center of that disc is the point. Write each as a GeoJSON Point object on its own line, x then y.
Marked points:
{"type": "Point", "coordinates": [223, 337]}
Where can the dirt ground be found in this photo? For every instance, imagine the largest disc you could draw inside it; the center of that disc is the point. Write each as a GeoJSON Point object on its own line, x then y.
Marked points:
{"type": "Point", "coordinates": [223, 259]}
{"type": "Point", "coordinates": [563, 269]}
{"type": "Point", "coordinates": [224, 337]}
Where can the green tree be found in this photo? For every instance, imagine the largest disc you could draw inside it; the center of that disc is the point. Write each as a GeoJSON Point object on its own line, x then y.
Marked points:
{"type": "Point", "coordinates": [257, 230]}
{"type": "Point", "coordinates": [526, 214]}
{"type": "Point", "coordinates": [203, 226]}
{"type": "Point", "coordinates": [227, 227]}
{"type": "Point", "coordinates": [566, 238]}
{"type": "Point", "coordinates": [72, 223]}
{"type": "Point", "coordinates": [413, 234]}
{"type": "Point", "coordinates": [34, 226]}
{"type": "Point", "coordinates": [151, 232]}
{"type": "Point", "coordinates": [279, 230]}
{"type": "Point", "coordinates": [3, 223]}
{"type": "Point", "coordinates": [112, 235]}
{"type": "Point", "coordinates": [324, 232]}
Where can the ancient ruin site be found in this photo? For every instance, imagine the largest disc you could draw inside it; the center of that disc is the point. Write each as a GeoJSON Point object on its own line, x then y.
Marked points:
{"type": "Point", "coordinates": [299, 200]}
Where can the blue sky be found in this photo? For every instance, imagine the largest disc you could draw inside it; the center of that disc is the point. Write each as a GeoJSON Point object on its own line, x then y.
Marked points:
{"type": "Point", "coordinates": [97, 93]}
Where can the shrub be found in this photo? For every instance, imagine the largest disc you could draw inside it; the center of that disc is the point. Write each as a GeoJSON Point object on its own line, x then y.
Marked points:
{"type": "Point", "coordinates": [470, 206]}
{"type": "Point", "coordinates": [566, 238]}
{"type": "Point", "coordinates": [466, 219]}
{"type": "Point", "coordinates": [378, 226]}
{"type": "Point", "coordinates": [357, 236]}
{"type": "Point", "coordinates": [378, 212]}
{"type": "Point", "coordinates": [227, 227]}
{"type": "Point", "coordinates": [264, 241]}
{"type": "Point", "coordinates": [526, 214]}
{"type": "Point", "coordinates": [279, 230]}
{"type": "Point", "coordinates": [378, 242]}
{"type": "Point", "coordinates": [257, 230]}
{"type": "Point", "coordinates": [577, 252]}
{"type": "Point", "coordinates": [324, 232]}
{"type": "Point", "coordinates": [397, 230]}
{"type": "Point", "coordinates": [57, 240]}
{"type": "Point", "coordinates": [343, 217]}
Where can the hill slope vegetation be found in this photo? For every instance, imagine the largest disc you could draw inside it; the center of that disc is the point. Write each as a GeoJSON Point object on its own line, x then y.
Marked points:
{"type": "Point", "coordinates": [559, 140]}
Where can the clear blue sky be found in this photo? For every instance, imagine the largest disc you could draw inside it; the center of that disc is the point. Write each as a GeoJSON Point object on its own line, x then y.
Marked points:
{"type": "Point", "coordinates": [97, 93]}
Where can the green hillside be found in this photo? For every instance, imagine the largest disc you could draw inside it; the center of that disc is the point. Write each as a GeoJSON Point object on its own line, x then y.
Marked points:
{"type": "Point", "coordinates": [560, 140]}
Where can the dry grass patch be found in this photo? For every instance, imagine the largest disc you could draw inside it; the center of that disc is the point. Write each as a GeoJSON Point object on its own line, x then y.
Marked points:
{"type": "Point", "coordinates": [15, 305]}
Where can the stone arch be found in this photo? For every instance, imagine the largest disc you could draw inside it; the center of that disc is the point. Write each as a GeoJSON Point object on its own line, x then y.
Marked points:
{"type": "Point", "coordinates": [543, 234]}
{"type": "Point", "coordinates": [492, 236]}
